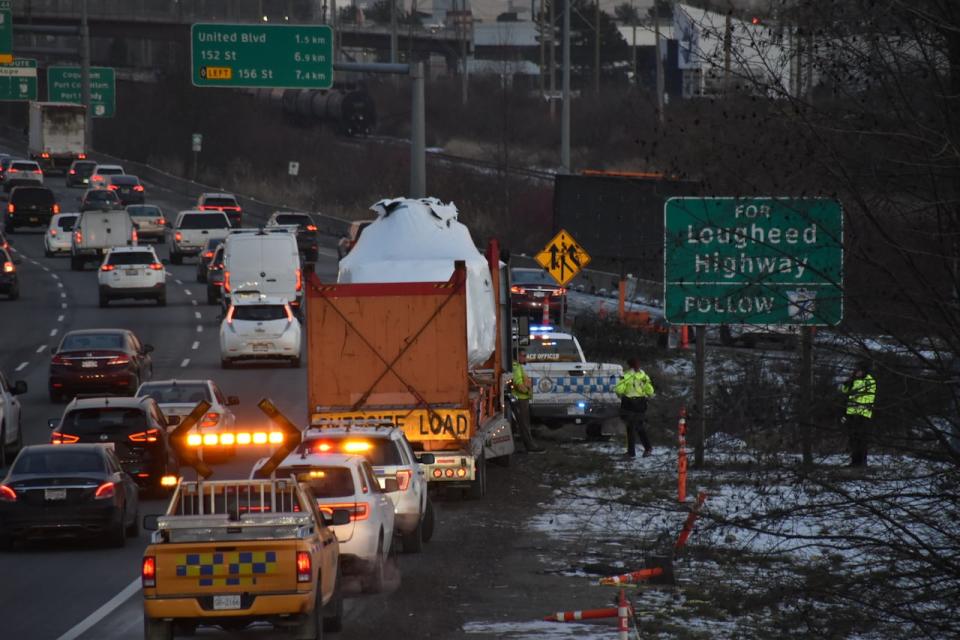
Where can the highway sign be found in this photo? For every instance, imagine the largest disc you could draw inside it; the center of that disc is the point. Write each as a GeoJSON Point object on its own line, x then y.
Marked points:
{"type": "Point", "coordinates": [64, 85]}
{"type": "Point", "coordinates": [268, 56]}
{"type": "Point", "coordinates": [563, 258]}
{"type": "Point", "coordinates": [6, 32]}
{"type": "Point", "coordinates": [196, 141]}
{"type": "Point", "coordinates": [769, 261]}
{"type": "Point", "coordinates": [293, 168]}
{"type": "Point", "coordinates": [18, 81]}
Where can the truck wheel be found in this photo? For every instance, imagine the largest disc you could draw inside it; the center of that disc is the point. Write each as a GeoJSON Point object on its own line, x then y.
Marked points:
{"type": "Point", "coordinates": [333, 621]}
{"type": "Point", "coordinates": [157, 629]}
{"type": "Point", "coordinates": [478, 488]}
{"type": "Point", "coordinates": [413, 541]}
{"type": "Point", "coordinates": [311, 624]}
{"type": "Point", "coordinates": [428, 521]}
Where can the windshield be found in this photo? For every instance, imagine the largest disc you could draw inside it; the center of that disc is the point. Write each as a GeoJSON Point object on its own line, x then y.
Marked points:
{"type": "Point", "coordinates": [89, 341]}
{"type": "Point", "coordinates": [328, 482]}
{"type": "Point", "coordinates": [176, 393]}
{"type": "Point", "coordinates": [84, 169]}
{"type": "Point", "coordinates": [102, 195]}
{"type": "Point", "coordinates": [131, 257]}
{"type": "Point", "coordinates": [67, 222]}
{"type": "Point", "coordinates": [144, 210]}
{"type": "Point", "coordinates": [205, 221]}
{"type": "Point", "coordinates": [259, 312]}
{"type": "Point", "coordinates": [219, 202]}
{"type": "Point", "coordinates": [531, 276]}
{"type": "Point", "coordinates": [550, 350]}
{"type": "Point", "coordinates": [62, 461]}
{"type": "Point", "coordinates": [301, 220]}
{"type": "Point", "coordinates": [25, 166]}
{"type": "Point", "coordinates": [125, 180]}
{"type": "Point", "coordinates": [382, 452]}
{"type": "Point", "coordinates": [43, 197]}
{"type": "Point", "coordinates": [104, 420]}
{"type": "Point", "coordinates": [109, 171]}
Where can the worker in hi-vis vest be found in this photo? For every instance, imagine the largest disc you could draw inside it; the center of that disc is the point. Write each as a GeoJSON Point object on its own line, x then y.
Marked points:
{"type": "Point", "coordinates": [522, 392]}
{"type": "Point", "coordinates": [634, 389]}
{"type": "Point", "coordinates": [861, 392]}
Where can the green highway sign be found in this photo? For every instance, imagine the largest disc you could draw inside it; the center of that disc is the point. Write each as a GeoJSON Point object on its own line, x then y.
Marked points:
{"type": "Point", "coordinates": [260, 55]}
{"type": "Point", "coordinates": [18, 81]}
{"type": "Point", "coordinates": [64, 85]}
{"type": "Point", "coordinates": [6, 32]}
{"type": "Point", "coordinates": [771, 261]}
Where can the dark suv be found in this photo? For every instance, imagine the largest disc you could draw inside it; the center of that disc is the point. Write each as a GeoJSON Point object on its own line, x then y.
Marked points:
{"type": "Point", "coordinates": [307, 242]}
{"type": "Point", "coordinates": [79, 173]}
{"type": "Point", "coordinates": [136, 428]}
{"type": "Point", "coordinates": [30, 207]}
{"type": "Point", "coordinates": [100, 200]}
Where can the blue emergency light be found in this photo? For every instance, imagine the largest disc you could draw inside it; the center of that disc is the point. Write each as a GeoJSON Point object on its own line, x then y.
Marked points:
{"type": "Point", "coordinates": [540, 328]}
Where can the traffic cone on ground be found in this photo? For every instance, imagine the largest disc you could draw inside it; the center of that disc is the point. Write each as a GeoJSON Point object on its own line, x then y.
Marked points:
{"type": "Point", "coordinates": [586, 614]}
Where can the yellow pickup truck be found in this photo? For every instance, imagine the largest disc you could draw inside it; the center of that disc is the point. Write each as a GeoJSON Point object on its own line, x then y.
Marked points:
{"type": "Point", "coordinates": [232, 552]}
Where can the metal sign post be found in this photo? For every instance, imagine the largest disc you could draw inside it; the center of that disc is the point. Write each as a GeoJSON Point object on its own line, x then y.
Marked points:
{"type": "Point", "coordinates": [196, 143]}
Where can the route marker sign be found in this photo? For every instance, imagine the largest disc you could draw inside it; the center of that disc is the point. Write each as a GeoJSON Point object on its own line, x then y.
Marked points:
{"type": "Point", "coordinates": [563, 258]}
{"type": "Point", "coordinates": [64, 84]}
{"type": "Point", "coordinates": [261, 55]}
{"type": "Point", "coordinates": [767, 261]}
{"type": "Point", "coordinates": [18, 81]}
{"type": "Point", "coordinates": [6, 32]}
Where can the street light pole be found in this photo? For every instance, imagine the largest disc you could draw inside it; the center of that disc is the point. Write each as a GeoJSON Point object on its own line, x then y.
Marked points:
{"type": "Point", "coordinates": [565, 113]}
{"type": "Point", "coordinates": [85, 74]}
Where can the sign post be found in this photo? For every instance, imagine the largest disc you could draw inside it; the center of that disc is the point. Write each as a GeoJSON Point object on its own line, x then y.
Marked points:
{"type": "Point", "coordinates": [755, 261]}
{"type": "Point", "coordinates": [65, 84]}
{"type": "Point", "coordinates": [6, 32]}
{"type": "Point", "coordinates": [18, 81]}
{"type": "Point", "coordinates": [196, 144]}
{"type": "Point", "coordinates": [262, 55]}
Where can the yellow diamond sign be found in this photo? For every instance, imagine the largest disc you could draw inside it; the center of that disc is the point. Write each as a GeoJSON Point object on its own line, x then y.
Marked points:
{"type": "Point", "coordinates": [563, 258]}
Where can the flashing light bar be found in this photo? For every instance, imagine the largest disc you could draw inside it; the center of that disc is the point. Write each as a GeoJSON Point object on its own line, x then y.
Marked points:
{"type": "Point", "coordinates": [229, 439]}
{"type": "Point", "coordinates": [540, 328]}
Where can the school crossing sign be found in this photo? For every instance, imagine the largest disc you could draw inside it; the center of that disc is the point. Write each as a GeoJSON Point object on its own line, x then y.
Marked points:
{"type": "Point", "coordinates": [770, 261]}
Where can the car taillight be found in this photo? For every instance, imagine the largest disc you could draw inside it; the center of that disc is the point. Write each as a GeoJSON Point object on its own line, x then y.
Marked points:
{"type": "Point", "coordinates": [134, 236]}
{"type": "Point", "coordinates": [178, 236]}
{"type": "Point", "coordinates": [403, 478]}
{"type": "Point", "coordinates": [358, 510]}
{"type": "Point", "coordinates": [137, 187]}
{"type": "Point", "coordinates": [150, 435]}
{"type": "Point", "coordinates": [97, 178]}
{"type": "Point", "coordinates": [107, 267]}
{"type": "Point", "coordinates": [12, 170]}
{"type": "Point", "coordinates": [156, 266]}
{"type": "Point", "coordinates": [226, 281]}
{"type": "Point", "coordinates": [148, 571]}
{"type": "Point", "coordinates": [118, 360]}
{"type": "Point", "coordinates": [230, 314]}
{"type": "Point", "coordinates": [516, 289]}
{"type": "Point", "coordinates": [37, 171]}
{"type": "Point", "coordinates": [44, 155]}
{"type": "Point", "coordinates": [58, 437]}
{"type": "Point", "coordinates": [208, 254]}
{"type": "Point", "coordinates": [82, 156]}
{"type": "Point", "coordinates": [78, 236]}
{"type": "Point", "coordinates": [7, 494]}
{"type": "Point", "coordinates": [210, 420]}
{"type": "Point", "coordinates": [53, 232]}
{"type": "Point", "coordinates": [56, 208]}
{"type": "Point", "coordinates": [9, 267]}
{"type": "Point", "coordinates": [58, 360]}
{"type": "Point", "coordinates": [161, 221]}
{"type": "Point", "coordinates": [311, 227]}
{"type": "Point", "coordinates": [104, 491]}
{"type": "Point", "coordinates": [556, 293]}
{"type": "Point", "coordinates": [10, 208]}
{"type": "Point", "coordinates": [113, 187]}
{"type": "Point", "coordinates": [299, 279]}
{"type": "Point", "coordinates": [72, 172]}
{"type": "Point", "coordinates": [304, 567]}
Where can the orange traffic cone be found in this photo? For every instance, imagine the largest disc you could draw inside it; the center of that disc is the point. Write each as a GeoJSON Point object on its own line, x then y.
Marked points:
{"type": "Point", "coordinates": [586, 614]}
{"type": "Point", "coordinates": [633, 577]}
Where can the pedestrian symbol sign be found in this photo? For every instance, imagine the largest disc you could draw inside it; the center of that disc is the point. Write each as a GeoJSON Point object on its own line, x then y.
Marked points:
{"type": "Point", "coordinates": [563, 258]}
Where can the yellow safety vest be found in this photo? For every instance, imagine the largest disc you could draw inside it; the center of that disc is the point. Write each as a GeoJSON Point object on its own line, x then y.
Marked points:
{"type": "Point", "coordinates": [520, 378]}
{"type": "Point", "coordinates": [861, 394]}
{"type": "Point", "coordinates": [634, 384]}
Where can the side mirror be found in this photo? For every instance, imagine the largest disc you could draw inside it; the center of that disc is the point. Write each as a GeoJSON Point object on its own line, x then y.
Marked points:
{"type": "Point", "coordinates": [340, 517]}
{"type": "Point", "coordinates": [391, 485]}
{"type": "Point", "coordinates": [150, 522]}
{"type": "Point", "coordinates": [53, 422]}
{"type": "Point", "coordinates": [19, 388]}
{"type": "Point", "coordinates": [232, 401]}
{"type": "Point", "coordinates": [426, 458]}
{"type": "Point", "coordinates": [147, 348]}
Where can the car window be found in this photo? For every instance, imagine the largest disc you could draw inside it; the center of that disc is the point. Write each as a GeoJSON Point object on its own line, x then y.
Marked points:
{"type": "Point", "coordinates": [109, 171]}
{"type": "Point", "coordinates": [298, 219]}
{"type": "Point", "coordinates": [42, 197]}
{"type": "Point", "coordinates": [104, 420]}
{"type": "Point", "coordinates": [204, 221]}
{"type": "Point", "coordinates": [24, 166]}
{"type": "Point", "coordinates": [67, 222]}
{"type": "Point", "coordinates": [371, 477]}
{"type": "Point", "coordinates": [144, 210]}
{"type": "Point", "coordinates": [552, 350]}
{"type": "Point", "coordinates": [131, 257]}
{"type": "Point", "coordinates": [102, 195]}
{"type": "Point", "coordinates": [329, 482]}
{"type": "Point", "coordinates": [60, 461]}
{"type": "Point", "coordinates": [84, 168]}
{"type": "Point", "coordinates": [88, 341]}
{"type": "Point", "coordinates": [259, 312]}
{"type": "Point", "coordinates": [124, 179]}
{"type": "Point", "coordinates": [165, 393]}
{"type": "Point", "coordinates": [219, 202]}
{"type": "Point", "coordinates": [531, 276]}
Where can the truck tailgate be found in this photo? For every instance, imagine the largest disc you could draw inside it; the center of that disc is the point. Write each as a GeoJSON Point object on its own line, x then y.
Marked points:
{"type": "Point", "coordinates": [202, 568]}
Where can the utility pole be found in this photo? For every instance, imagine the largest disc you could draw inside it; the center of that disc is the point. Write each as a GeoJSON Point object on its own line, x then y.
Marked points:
{"type": "Point", "coordinates": [418, 168]}
{"type": "Point", "coordinates": [565, 111]}
{"type": "Point", "coordinates": [85, 74]}
{"type": "Point", "coordinates": [633, 22]}
{"type": "Point", "coordinates": [553, 60]}
{"type": "Point", "coordinates": [543, 49]}
{"type": "Point", "coordinates": [465, 75]}
{"type": "Point", "coordinates": [335, 24]}
{"type": "Point", "coordinates": [727, 42]}
{"type": "Point", "coordinates": [659, 65]}
{"type": "Point", "coordinates": [393, 31]}
{"type": "Point", "coordinates": [596, 48]}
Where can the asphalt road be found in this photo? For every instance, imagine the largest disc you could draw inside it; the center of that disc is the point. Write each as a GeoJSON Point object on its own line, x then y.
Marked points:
{"type": "Point", "coordinates": [83, 590]}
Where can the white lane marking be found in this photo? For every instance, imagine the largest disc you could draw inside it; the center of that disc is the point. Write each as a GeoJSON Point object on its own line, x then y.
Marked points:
{"type": "Point", "coordinates": [60, 284]}
{"type": "Point", "coordinates": [187, 291]}
{"type": "Point", "coordinates": [199, 328]}
{"type": "Point", "coordinates": [102, 612]}
{"type": "Point", "coordinates": [179, 281]}
{"type": "Point", "coordinates": [196, 314]}
{"type": "Point", "coordinates": [195, 346]}
{"type": "Point", "coordinates": [53, 332]}
{"type": "Point", "coordinates": [60, 318]}
{"type": "Point", "coordinates": [21, 366]}
{"type": "Point", "coordinates": [63, 295]}
{"type": "Point", "coordinates": [194, 302]}
{"type": "Point", "coordinates": [168, 273]}
{"type": "Point", "coordinates": [41, 348]}
{"type": "Point", "coordinates": [185, 362]}
{"type": "Point", "coordinates": [47, 269]}
{"type": "Point", "coordinates": [63, 305]}
{"type": "Point", "coordinates": [54, 276]}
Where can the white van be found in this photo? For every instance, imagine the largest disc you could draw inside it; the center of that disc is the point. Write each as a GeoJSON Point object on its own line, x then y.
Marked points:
{"type": "Point", "coordinates": [263, 262]}
{"type": "Point", "coordinates": [96, 232]}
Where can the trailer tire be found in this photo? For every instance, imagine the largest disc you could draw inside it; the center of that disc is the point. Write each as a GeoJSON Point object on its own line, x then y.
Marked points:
{"type": "Point", "coordinates": [157, 629]}
{"type": "Point", "coordinates": [478, 488]}
{"type": "Point", "coordinates": [428, 521]}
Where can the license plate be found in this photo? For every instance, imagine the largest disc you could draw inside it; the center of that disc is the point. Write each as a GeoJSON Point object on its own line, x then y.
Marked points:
{"type": "Point", "coordinates": [261, 347]}
{"type": "Point", "coordinates": [54, 494]}
{"type": "Point", "coordinates": [34, 219]}
{"type": "Point", "coordinates": [539, 294]}
{"type": "Point", "coordinates": [226, 602]}
{"type": "Point", "coordinates": [89, 364]}
{"type": "Point", "coordinates": [575, 411]}
{"type": "Point", "coordinates": [132, 272]}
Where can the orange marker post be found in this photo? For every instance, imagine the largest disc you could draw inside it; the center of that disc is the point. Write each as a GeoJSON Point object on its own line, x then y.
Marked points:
{"type": "Point", "coordinates": [633, 577]}
{"type": "Point", "coordinates": [691, 518]}
{"type": "Point", "coordinates": [682, 456]}
{"type": "Point", "coordinates": [623, 613]}
{"type": "Point", "coordinates": [586, 614]}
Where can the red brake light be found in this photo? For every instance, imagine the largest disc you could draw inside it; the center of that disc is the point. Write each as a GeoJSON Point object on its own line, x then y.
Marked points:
{"type": "Point", "coordinates": [96, 178]}
{"type": "Point", "coordinates": [13, 170]}
{"type": "Point", "coordinates": [156, 266]}
{"type": "Point", "coordinates": [78, 236]}
{"type": "Point", "coordinates": [403, 478]}
{"type": "Point", "coordinates": [72, 172]}
{"type": "Point", "coordinates": [114, 187]}
{"type": "Point", "coordinates": [9, 267]}
{"type": "Point", "coordinates": [161, 221]}
{"type": "Point", "coordinates": [37, 171]}
{"type": "Point", "coordinates": [58, 360]}
{"type": "Point", "coordinates": [53, 232]}
{"type": "Point", "coordinates": [516, 289]}
{"type": "Point", "coordinates": [304, 567]}
{"type": "Point", "coordinates": [44, 155]}
{"type": "Point", "coordinates": [10, 208]}
{"type": "Point", "coordinates": [107, 267]}
{"type": "Point", "coordinates": [358, 510]}
{"type": "Point", "coordinates": [63, 438]}
{"type": "Point", "coordinates": [81, 156]}
{"type": "Point", "coordinates": [178, 236]}
{"type": "Point", "coordinates": [56, 208]}
{"type": "Point", "coordinates": [134, 236]}
{"type": "Point", "coordinates": [118, 360]}
{"type": "Point", "coordinates": [150, 435]}
{"type": "Point", "coordinates": [311, 227]}
{"type": "Point", "coordinates": [299, 279]}
{"type": "Point", "coordinates": [230, 313]}
{"type": "Point", "coordinates": [211, 419]}
{"type": "Point", "coordinates": [7, 494]}
{"type": "Point", "coordinates": [104, 491]}
{"type": "Point", "coordinates": [208, 254]}
{"type": "Point", "coordinates": [138, 187]}
{"type": "Point", "coordinates": [148, 571]}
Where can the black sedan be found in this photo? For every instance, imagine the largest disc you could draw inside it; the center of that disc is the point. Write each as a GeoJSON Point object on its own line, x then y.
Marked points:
{"type": "Point", "coordinates": [105, 361]}
{"type": "Point", "coordinates": [9, 283]}
{"type": "Point", "coordinates": [76, 491]}
{"type": "Point", "coordinates": [532, 291]}
{"type": "Point", "coordinates": [307, 236]}
{"type": "Point", "coordinates": [128, 188]}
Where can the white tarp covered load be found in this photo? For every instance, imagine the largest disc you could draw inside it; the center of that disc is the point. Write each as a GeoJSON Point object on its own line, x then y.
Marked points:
{"type": "Point", "coordinates": [418, 241]}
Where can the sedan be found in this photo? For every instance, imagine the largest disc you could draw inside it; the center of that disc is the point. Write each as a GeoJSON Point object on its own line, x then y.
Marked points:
{"type": "Point", "coordinates": [76, 491]}
{"type": "Point", "coordinates": [99, 200]}
{"type": "Point", "coordinates": [215, 276]}
{"type": "Point", "coordinates": [150, 221]}
{"type": "Point", "coordinates": [535, 294]}
{"type": "Point", "coordinates": [177, 398]}
{"type": "Point", "coordinates": [108, 361]}
{"type": "Point", "coordinates": [206, 255]}
{"type": "Point", "coordinates": [128, 189]}
{"type": "Point", "coordinates": [11, 434]}
{"type": "Point", "coordinates": [9, 282]}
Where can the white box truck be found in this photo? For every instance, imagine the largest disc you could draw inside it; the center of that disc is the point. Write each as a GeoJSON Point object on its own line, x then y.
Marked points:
{"type": "Point", "coordinates": [57, 134]}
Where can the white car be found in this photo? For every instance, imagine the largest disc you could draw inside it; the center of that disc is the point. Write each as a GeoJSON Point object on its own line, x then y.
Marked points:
{"type": "Point", "coordinates": [390, 454]}
{"type": "Point", "coordinates": [192, 229]}
{"type": "Point", "coordinates": [347, 482]}
{"type": "Point", "coordinates": [22, 172]}
{"type": "Point", "coordinates": [177, 398]}
{"type": "Point", "coordinates": [59, 235]}
{"type": "Point", "coordinates": [132, 272]}
{"type": "Point", "coordinates": [99, 179]}
{"type": "Point", "coordinates": [11, 435]}
{"type": "Point", "coordinates": [259, 327]}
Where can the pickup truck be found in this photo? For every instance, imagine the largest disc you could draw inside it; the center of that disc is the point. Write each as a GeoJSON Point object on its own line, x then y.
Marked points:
{"type": "Point", "coordinates": [567, 388]}
{"type": "Point", "coordinates": [232, 552]}
{"type": "Point", "coordinates": [191, 231]}
{"type": "Point", "coordinates": [96, 232]}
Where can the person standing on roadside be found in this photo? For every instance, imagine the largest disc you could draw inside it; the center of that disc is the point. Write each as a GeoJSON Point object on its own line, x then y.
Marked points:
{"type": "Point", "coordinates": [861, 392]}
{"type": "Point", "coordinates": [635, 388]}
{"type": "Point", "coordinates": [522, 392]}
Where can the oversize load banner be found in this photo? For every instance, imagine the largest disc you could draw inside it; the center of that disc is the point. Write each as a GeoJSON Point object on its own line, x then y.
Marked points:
{"type": "Point", "coordinates": [417, 424]}
{"type": "Point", "coordinates": [771, 261]}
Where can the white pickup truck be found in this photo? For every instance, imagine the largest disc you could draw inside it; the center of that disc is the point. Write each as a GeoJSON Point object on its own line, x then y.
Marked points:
{"type": "Point", "coordinates": [191, 231]}
{"type": "Point", "coordinates": [567, 388]}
